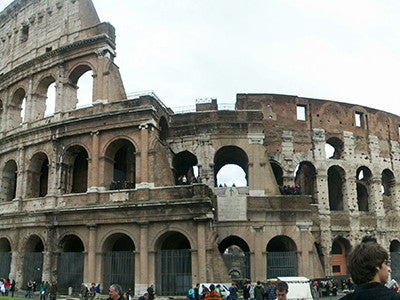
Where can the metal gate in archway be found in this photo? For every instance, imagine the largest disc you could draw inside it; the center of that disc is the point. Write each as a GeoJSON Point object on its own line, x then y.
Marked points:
{"type": "Point", "coordinates": [5, 263]}
{"type": "Point", "coordinates": [33, 266]}
{"type": "Point", "coordinates": [174, 272]}
{"type": "Point", "coordinates": [281, 264]}
{"type": "Point", "coordinates": [238, 264]}
{"type": "Point", "coordinates": [70, 271]}
{"type": "Point", "coordinates": [395, 265]}
{"type": "Point", "coordinates": [119, 267]}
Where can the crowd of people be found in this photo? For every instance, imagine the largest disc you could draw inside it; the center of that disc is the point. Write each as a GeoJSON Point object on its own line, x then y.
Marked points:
{"type": "Point", "coordinates": [183, 180]}
{"type": "Point", "coordinates": [271, 291]}
{"type": "Point", "coordinates": [7, 287]}
{"type": "Point", "coordinates": [290, 190]}
{"type": "Point", "coordinates": [119, 185]}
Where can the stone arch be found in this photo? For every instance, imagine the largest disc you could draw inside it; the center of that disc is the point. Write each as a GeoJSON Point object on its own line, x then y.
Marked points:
{"type": "Point", "coordinates": [173, 264]}
{"type": "Point", "coordinates": [33, 258]}
{"type": "Point", "coordinates": [74, 77]}
{"type": "Point", "coordinates": [164, 128]}
{"type": "Point", "coordinates": [9, 181]}
{"type": "Point", "coordinates": [339, 251]}
{"type": "Point", "coordinates": [5, 257]}
{"type": "Point", "coordinates": [305, 179]}
{"type": "Point", "coordinates": [38, 175]}
{"type": "Point", "coordinates": [336, 179]}
{"type": "Point", "coordinates": [16, 108]}
{"type": "Point", "coordinates": [183, 164]}
{"type": "Point", "coordinates": [120, 164]}
{"type": "Point", "coordinates": [278, 172]}
{"type": "Point", "coordinates": [337, 147]}
{"type": "Point", "coordinates": [281, 251]}
{"type": "Point", "coordinates": [231, 155]}
{"type": "Point", "coordinates": [235, 253]}
{"type": "Point", "coordinates": [388, 188]}
{"type": "Point", "coordinates": [119, 260]}
{"type": "Point", "coordinates": [74, 170]}
{"type": "Point", "coordinates": [41, 100]}
{"type": "Point", "coordinates": [363, 181]}
{"type": "Point", "coordinates": [70, 262]}
{"type": "Point", "coordinates": [395, 259]}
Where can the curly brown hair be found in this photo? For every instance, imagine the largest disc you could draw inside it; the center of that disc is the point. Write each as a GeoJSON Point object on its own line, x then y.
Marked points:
{"type": "Point", "coordinates": [363, 261]}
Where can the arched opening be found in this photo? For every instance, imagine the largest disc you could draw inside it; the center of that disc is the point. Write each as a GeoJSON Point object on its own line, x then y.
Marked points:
{"type": "Point", "coordinates": [121, 165]}
{"type": "Point", "coordinates": [50, 100]}
{"type": "Point", "coordinates": [38, 176]}
{"type": "Point", "coordinates": [163, 125]}
{"type": "Point", "coordinates": [9, 181]}
{"type": "Point", "coordinates": [363, 182]}
{"type": "Point", "coordinates": [281, 257]}
{"type": "Point", "coordinates": [334, 148]}
{"type": "Point", "coordinates": [340, 249]}
{"type": "Point", "coordinates": [70, 264]}
{"type": "Point", "coordinates": [395, 259]}
{"type": "Point", "coordinates": [236, 255]}
{"type": "Point", "coordinates": [174, 265]}
{"type": "Point", "coordinates": [74, 172]}
{"type": "Point", "coordinates": [81, 80]}
{"type": "Point", "coordinates": [119, 261]}
{"type": "Point", "coordinates": [5, 258]}
{"type": "Point", "coordinates": [45, 98]}
{"type": "Point", "coordinates": [183, 165]}
{"type": "Point", "coordinates": [231, 155]}
{"type": "Point", "coordinates": [388, 188]}
{"type": "Point", "coordinates": [336, 177]}
{"type": "Point", "coordinates": [33, 259]}
{"type": "Point", "coordinates": [16, 109]}
{"type": "Point", "coordinates": [305, 179]}
{"type": "Point", "coordinates": [278, 173]}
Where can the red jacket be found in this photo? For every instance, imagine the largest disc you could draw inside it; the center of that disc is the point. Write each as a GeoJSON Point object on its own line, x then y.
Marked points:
{"type": "Point", "coordinates": [212, 296]}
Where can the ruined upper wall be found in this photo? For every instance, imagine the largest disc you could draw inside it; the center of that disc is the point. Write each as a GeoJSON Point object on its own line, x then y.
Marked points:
{"type": "Point", "coordinates": [30, 28]}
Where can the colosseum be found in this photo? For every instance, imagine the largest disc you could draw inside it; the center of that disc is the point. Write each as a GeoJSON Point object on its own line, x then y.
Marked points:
{"type": "Point", "coordinates": [125, 190]}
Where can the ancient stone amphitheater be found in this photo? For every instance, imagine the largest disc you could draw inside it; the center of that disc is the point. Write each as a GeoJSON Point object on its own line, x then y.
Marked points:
{"type": "Point", "coordinates": [94, 193]}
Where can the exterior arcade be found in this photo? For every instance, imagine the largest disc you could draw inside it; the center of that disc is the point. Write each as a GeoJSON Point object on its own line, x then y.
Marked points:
{"type": "Point", "coordinates": [94, 193]}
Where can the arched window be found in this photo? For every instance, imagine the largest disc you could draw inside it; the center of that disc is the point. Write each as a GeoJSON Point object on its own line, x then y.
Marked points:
{"type": "Point", "coordinates": [334, 148]}
{"type": "Point", "coordinates": [340, 248]}
{"type": "Point", "coordinates": [305, 178]}
{"type": "Point", "coordinates": [278, 173]}
{"type": "Point", "coordinates": [33, 259]}
{"type": "Point", "coordinates": [363, 182]}
{"type": "Point", "coordinates": [74, 173]}
{"type": "Point", "coordinates": [82, 80]}
{"type": "Point", "coordinates": [235, 175]}
{"type": "Point", "coordinates": [5, 258]}
{"type": "Point", "coordinates": [16, 109]}
{"type": "Point", "coordinates": [38, 176]}
{"type": "Point", "coordinates": [121, 165]}
{"type": "Point", "coordinates": [9, 181]}
{"type": "Point", "coordinates": [44, 98]}
{"type": "Point", "coordinates": [184, 164]}
{"type": "Point", "coordinates": [336, 177]}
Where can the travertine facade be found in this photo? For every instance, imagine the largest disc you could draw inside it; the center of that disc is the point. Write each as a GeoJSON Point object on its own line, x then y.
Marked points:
{"type": "Point", "coordinates": [63, 217]}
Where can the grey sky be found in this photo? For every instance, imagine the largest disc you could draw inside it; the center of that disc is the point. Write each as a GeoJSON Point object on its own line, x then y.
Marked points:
{"type": "Point", "coordinates": [185, 49]}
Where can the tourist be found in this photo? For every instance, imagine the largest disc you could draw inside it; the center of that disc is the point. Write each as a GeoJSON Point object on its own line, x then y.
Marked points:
{"type": "Point", "coordinates": [233, 292]}
{"type": "Point", "coordinates": [151, 292]}
{"type": "Point", "coordinates": [369, 268]}
{"type": "Point", "coordinates": [115, 292]}
{"type": "Point", "coordinates": [282, 290]}
{"type": "Point", "coordinates": [212, 294]}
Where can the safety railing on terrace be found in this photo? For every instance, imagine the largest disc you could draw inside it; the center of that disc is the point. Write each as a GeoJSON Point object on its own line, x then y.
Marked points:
{"type": "Point", "coordinates": [192, 108]}
{"type": "Point", "coordinates": [136, 95]}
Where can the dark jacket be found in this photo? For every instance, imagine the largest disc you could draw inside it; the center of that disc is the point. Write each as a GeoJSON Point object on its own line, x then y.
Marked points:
{"type": "Point", "coordinates": [258, 292]}
{"type": "Point", "coordinates": [371, 291]}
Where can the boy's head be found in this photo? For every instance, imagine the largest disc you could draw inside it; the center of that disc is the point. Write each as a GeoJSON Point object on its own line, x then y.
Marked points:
{"type": "Point", "coordinates": [367, 260]}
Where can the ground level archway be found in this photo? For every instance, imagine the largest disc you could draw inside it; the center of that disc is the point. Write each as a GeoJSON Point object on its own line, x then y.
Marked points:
{"type": "Point", "coordinates": [236, 255]}
{"type": "Point", "coordinates": [173, 265]}
{"type": "Point", "coordinates": [281, 257]}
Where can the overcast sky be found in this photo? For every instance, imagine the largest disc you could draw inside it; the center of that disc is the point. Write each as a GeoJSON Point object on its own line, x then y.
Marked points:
{"type": "Point", "coordinates": [345, 51]}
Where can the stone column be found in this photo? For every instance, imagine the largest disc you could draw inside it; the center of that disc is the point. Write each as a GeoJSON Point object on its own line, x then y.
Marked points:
{"type": "Point", "coordinates": [201, 252]}
{"type": "Point", "coordinates": [260, 254]}
{"type": "Point", "coordinates": [46, 270]}
{"type": "Point", "coordinates": [92, 253]}
{"type": "Point", "coordinates": [21, 184]}
{"type": "Point", "coordinates": [144, 156]}
{"type": "Point", "coordinates": [144, 259]}
{"type": "Point", "coordinates": [94, 175]}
